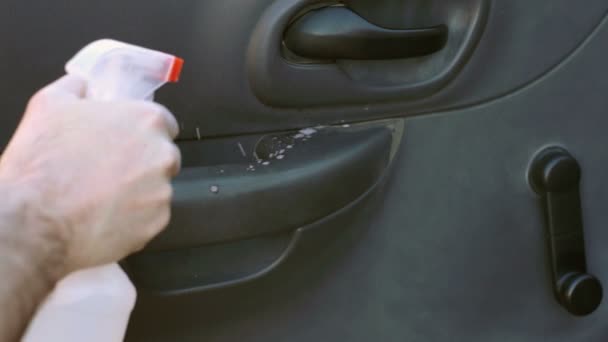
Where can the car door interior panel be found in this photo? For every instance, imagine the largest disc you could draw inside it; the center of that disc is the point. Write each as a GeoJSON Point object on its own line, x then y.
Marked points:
{"type": "Point", "coordinates": [452, 248]}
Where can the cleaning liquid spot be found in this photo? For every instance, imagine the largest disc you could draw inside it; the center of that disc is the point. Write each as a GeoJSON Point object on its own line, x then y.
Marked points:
{"type": "Point", "coordinates": [242, 150]}
{"type": "Point", "coordinates": [308, 131]}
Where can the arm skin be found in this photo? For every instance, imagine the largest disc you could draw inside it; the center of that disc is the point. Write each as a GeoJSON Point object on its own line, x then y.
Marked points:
{"type": "Point", "coordinates": [32, 251]}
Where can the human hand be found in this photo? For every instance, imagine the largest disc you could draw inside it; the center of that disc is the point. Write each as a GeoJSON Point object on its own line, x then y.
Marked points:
{"type": "Point", "coordinates": [100, 171]}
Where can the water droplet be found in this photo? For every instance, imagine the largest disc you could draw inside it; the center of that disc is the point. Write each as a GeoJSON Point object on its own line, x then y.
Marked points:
{"type": "Point", "coordinates": [299, 136]}
{"type": "Point", "coordinates": [280, 156]}
{"type": "Point", "coordinates": [289, 147]}
{"type": "Point", "coordinates": [266, 163]}
{"type": "Point", "coordinates": [281, 151]}
{"type": "Point", "coordinates": [214, 189]}
{"type": "Point", "coordinates": [308, 131]}
{"type": "Point", "coordinates": [221, 171]}
{"type": "Point", "coordinates": [346, 125]}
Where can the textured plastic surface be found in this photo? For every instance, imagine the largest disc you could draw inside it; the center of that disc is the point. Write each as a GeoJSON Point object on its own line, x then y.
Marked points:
{"type": "Point", "coordinates": [253, 199]}
{"type": "Point", "coordinates": [210, 267]}
{"type": "Point", "coordinates": [269, 202]}
{"type": "Point", "coordinates": [452, 250]}
{"type": "Point", "coordinates": [216, 95]}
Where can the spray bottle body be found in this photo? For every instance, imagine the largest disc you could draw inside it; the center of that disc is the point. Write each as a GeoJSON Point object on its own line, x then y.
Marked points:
{"type": "Point", "coordinates": [89, 305]}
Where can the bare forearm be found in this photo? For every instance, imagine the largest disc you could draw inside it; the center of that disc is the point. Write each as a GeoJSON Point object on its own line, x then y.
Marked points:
{"type": "Point", "coordinates": [31, 259]}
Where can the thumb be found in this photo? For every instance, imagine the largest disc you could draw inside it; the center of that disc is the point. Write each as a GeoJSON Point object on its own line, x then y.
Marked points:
{"type": "Point", "coordinates": [69, 86]}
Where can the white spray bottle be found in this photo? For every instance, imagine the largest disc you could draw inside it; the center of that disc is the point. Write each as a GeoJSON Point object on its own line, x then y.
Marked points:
{"type": "Point", "coordinates": [94, 305]}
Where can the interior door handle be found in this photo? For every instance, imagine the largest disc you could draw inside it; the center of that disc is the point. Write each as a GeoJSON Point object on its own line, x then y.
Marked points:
{"type": "Point", "coordinates": [339, 33]}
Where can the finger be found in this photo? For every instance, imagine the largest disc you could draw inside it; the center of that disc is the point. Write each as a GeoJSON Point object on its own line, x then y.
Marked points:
{"type": "Point", "coordinates": [69, 86]}
{"type": "Point", "coordinates": [170, 121]}
{"type": "Point", "coordinates": [177, 165]}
